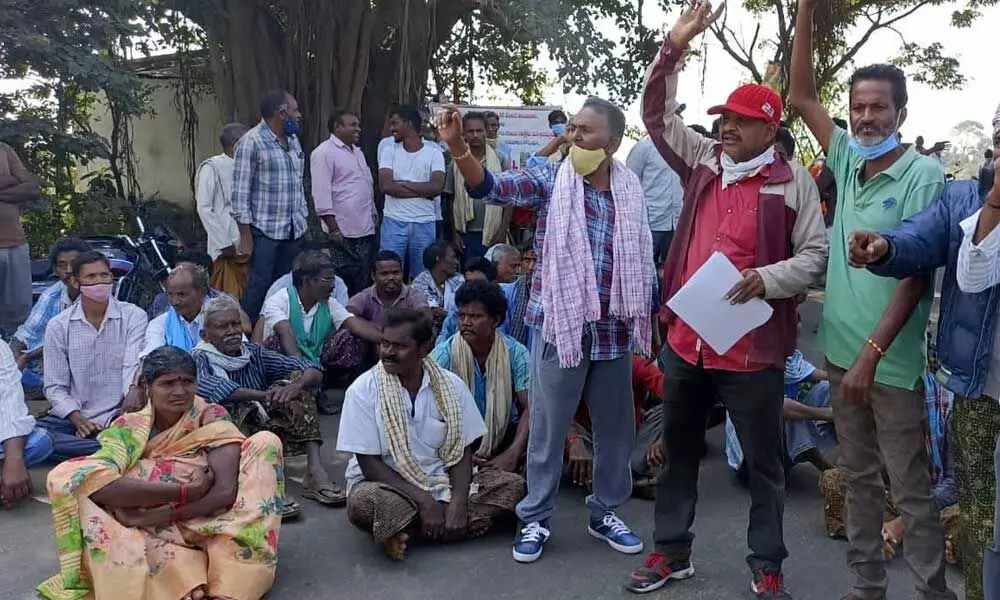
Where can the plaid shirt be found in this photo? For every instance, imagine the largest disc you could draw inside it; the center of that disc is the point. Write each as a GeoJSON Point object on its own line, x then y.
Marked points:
{"type": "Point", "coordinates": [532, 188]}
{"type": "Point", "coordinates": [267, 184]}
{"type": "Point", "coordinates": [52, 302]}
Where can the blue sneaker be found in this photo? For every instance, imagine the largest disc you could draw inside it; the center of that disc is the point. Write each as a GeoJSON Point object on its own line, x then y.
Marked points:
{"type": "Point", "coordinates": [529, 544]}
{"type": "Point", "coordinates": [611, 529]}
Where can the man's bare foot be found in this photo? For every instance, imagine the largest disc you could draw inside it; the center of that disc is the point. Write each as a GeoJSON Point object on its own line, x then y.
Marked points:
{"type": "Point", "coordinates": [395, 546]}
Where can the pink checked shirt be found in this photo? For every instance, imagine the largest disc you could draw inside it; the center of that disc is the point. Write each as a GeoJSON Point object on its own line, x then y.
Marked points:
{"type": "Point", "coordinates": [342, 186]}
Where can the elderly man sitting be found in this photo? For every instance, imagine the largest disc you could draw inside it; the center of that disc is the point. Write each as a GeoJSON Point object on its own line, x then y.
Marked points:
{"type": "Point", "coordinates": [412, 427]}
{"type": "Point", "coordinates": [495, 367]}
{"type": "Point", "coordinates": [305, 321]}
{"type": "Point", "coordinates": [180, 325]}
{"type": "Point", "coordinates": [263, 389]}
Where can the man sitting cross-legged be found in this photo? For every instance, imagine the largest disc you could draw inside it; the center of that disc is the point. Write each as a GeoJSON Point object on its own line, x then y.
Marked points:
{"type": "Point", "coordinates": [411, 426]}
{"type": "Point", "coordinates": [305, 321]}
{"type": "Point", "coordinates": [263, 389]}
{"type": "Point", "coordinates": [180, 325]}
{"type": "Point", "coordinates": [495, 367]}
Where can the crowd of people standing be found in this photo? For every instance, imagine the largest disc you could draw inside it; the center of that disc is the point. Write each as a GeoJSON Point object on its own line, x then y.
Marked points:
{"type": "Point", "coordinates": [483, 367]}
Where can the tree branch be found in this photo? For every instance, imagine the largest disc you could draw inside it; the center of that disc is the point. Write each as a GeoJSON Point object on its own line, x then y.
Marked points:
{"type": "Point", "coordinates": [743, 57]}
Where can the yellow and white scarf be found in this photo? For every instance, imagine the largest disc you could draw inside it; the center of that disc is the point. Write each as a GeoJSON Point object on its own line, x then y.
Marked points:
{"type": "Point", "coordinates": [395, 418]}
{"type": "Point", "coordinates": [499, 387]}
{"type": "Point", "coordinates": [464, 208]}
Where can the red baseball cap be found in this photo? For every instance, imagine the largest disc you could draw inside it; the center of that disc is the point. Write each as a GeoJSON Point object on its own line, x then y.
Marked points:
{"type": "Point", "coordinates": [755, 101]}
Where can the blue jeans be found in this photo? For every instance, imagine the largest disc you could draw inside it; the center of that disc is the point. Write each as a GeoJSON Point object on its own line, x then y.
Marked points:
{"type": "Point", "coordinates": [408, 240]}
{"type": "Point", "coordinates": [65, 443]}
{"type": "Point", "coordinates": [37, 448]}
{"type": "Point", "coordinates": [270, 260]}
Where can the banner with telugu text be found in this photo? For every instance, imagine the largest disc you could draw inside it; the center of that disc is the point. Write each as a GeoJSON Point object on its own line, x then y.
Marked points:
{"type": "Point", "coordinates": [524, 129]}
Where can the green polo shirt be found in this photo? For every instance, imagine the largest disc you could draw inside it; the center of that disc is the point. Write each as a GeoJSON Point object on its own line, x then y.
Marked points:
{"type": "Point", "coordinates": [855, 298]}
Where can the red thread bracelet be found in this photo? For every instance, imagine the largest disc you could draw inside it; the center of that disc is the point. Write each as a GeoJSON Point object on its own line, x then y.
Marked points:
{"type": "Point", "coordinates": [182, 500]}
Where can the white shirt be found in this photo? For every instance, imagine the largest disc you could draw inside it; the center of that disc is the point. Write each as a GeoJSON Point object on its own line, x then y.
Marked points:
{"type": "Point", "coordinates": [14, 418]}
{"type": "Point", "coordinates": [213, 195]}
{"type": "Point", "coordinates": [276, 310]}
{"type": "Point", "coordinates": [340, 293]}
{"type": "Point", "coordinates": [416, 167]}
{"type": "Point", "coordinates": [362, 430]}
{"type": "Point", "coordinates": [979, 269]}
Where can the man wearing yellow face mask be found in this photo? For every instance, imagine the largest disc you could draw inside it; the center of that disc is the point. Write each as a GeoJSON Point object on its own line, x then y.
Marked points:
{"type": "Point", "coordinates": [763, 213]}
{"type": "Point", "coordinates": [590, 305]}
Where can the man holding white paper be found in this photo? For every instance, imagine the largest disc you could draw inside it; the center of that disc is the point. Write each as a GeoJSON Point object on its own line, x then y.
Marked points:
{"type": "Point", "coordinates": [763, 214]}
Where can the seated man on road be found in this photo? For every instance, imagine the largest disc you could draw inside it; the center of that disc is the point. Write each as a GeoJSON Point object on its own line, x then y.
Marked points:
{"type": "Point", "coordinates": [22, 444]}
{"type": "Point", "coordinates": [441, 279]}
{"type": "Point", "coordinates": [412, 427]}
{"type": "Point", "coordinates": [506, 260]}
{"type": "Point", "coordinates": [180, 326]}
{"type": "Point", "coordinates": [495, 367]}
{"type": "Point", "coordinates": [305, 321]}
{"type": "Point", "coordinates": [193, 259]}
{"type": "Point", "coordinates": [388, 291]}
{"type": "Point", "coordinates": [808, 428]}
{"type": "Point", "coordinates": [647, 454]}
{"type": "Point", "coordinates": [518, 294]}
{"type": "Point", "coordinates": [91, 354]}
{"type": "Point", "coordinates": [263, 389]}
{"type": "Point", "coordinates": [340, 292]}
{"type": "Point", "coordinates": [476, 269]}
{"type": "Point", "coordinates": [26, 344]}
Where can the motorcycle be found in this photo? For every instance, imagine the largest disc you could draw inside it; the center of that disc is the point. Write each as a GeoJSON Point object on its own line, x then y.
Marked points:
{"type": "Point", "coordinates": [140, 265]}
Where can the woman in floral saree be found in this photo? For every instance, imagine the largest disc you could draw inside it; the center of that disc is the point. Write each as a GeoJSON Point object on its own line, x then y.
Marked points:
{"type": "Point", "coordinates": [176, 505]}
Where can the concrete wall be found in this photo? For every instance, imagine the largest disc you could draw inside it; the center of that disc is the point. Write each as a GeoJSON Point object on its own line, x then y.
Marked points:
{"type": "Point", "coordinates": [158, 145]}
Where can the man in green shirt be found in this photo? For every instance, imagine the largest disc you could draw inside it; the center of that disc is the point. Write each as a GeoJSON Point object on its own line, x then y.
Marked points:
{"type": "Point", "coordinates": [875, 348]}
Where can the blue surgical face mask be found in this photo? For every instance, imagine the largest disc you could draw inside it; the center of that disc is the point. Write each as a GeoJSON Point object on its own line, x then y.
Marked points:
{"type": "Point", "coordinates": [559, 129]}
{"type": "Point", "coordinates": [876, 151]}
{"type": "Point", "coordinates": [292, 126]}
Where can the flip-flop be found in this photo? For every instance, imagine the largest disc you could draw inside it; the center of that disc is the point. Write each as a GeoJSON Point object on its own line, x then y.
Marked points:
{"type": "Point", "coordinates": [290, 510]}
{"type": "Point", "coordinates": [328, 495]}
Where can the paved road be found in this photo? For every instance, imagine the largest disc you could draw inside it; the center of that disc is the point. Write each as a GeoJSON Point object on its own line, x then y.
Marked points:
{"type": "Point", "coordinates": [322, 556]}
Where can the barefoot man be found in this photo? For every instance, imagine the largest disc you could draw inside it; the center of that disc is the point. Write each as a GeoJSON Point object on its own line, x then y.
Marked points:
{"type": "Point", "coordinates": [411, 426]}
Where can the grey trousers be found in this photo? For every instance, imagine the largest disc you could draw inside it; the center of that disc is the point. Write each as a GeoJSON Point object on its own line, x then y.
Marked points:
{"type": "Point", "coordinates": [15, 288]}
{"type": "Point", "coordinates": [888, 432]}
{"type": "Point", "coordinates": [991, 560]}
{"type": "Point", "coordinates": [555, 393]}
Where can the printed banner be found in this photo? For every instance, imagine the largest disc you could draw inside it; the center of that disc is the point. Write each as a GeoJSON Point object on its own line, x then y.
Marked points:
{"type": "Point", "coordinates": [523, 129]}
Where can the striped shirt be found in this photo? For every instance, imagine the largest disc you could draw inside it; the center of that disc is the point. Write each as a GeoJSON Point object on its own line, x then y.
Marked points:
{"type": "Point", "coordinates": [267, 184]}
{"type": "Point", "coordinates": [979, 269]}
{"type": "Point", "coordinates": [264, 369]}
{"type": "Point", "coordinates": [53, 301]}
{"type": "Point", "coordinates": [88, 369]}
{"type": "Point", "coordinates": [14, 418]}
{"type": "Point", "coordinates": [532, 188]}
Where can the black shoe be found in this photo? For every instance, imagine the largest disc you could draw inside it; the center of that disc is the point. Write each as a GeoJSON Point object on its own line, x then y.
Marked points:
{"type": "Point", "coordinates": [656, 572]}
{"type": "Point", "coordinates": [769, 584]}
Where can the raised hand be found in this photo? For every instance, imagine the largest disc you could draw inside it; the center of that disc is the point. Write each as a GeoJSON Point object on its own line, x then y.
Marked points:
{"type": "Point", "coordinates": [449, 124]}
{"type": "Point", "coordinates": [694, 21]}
{"type": "Point", "coordinates": [865, 248]}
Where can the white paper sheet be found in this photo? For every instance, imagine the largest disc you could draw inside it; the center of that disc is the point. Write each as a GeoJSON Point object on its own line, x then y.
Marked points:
{"type": "Point", "coordinates": [702, 304]}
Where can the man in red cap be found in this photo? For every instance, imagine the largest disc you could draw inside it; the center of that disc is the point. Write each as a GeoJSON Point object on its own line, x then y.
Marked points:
{"type": "Point", "coordinates": [763, 213]}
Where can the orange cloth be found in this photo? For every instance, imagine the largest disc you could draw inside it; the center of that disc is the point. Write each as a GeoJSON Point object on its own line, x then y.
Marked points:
{"type": "Point", "coordinates": [230, 275]}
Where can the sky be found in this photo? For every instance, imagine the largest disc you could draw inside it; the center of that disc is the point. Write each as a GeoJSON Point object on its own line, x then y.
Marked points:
{"type": "Point", "coordinates": [932, 113]}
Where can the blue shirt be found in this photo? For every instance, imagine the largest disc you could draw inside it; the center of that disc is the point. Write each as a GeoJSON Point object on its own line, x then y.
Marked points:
{"type": "Point", "coordinates": [53, 301]}
{"type": "Point", "coordinates": [267, 184]}
{"type": "Point", "coordinates": [264, 369]}
{"type": "Point", "coordinates": [660, 185]}
{"type": "Point", "coordinates": [519, 367]}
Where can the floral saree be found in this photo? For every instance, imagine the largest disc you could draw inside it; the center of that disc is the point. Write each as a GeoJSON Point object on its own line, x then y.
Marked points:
{"type": "Point", "coordinates": [232, 554]}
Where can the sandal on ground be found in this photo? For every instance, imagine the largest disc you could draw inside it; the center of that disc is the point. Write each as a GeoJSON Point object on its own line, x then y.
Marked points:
{"type": "Point", "coordinates": [327, 495]}
{"type": "Point", "coordinates": [290, 510]}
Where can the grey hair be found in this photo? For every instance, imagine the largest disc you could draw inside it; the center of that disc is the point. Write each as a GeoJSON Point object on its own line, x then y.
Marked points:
{"type": "Point", "coordinates": [231, 134]}
{"type": "Point", "coordinates": [219, 304]}
{"type": "Point", "coordinates": [167, 359]}
{"type": "Point", "coordinates": [501, 249]}
{"type": "Point", "coordinates": [199, 276]}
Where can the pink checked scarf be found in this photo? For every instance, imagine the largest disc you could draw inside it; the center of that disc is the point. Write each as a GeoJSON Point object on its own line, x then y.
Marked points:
{"type": "Point", "coordinates": [569, 281]}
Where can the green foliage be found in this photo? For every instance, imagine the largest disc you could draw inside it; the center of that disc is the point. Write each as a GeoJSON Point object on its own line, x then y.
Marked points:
{"type": "Point", "coordinates": [70, 51]}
